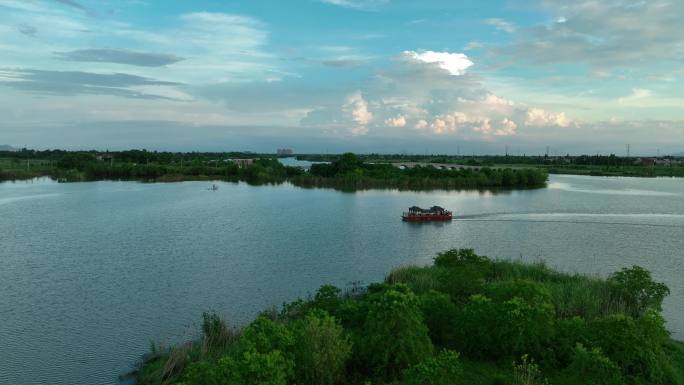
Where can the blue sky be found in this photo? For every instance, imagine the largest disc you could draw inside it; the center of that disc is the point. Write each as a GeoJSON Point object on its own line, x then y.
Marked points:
{"type": "Point", "coordinates": [344, 75]}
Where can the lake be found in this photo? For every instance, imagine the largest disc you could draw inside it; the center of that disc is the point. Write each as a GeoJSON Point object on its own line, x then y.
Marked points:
{"type": "Point", "coordinates": [90, 273]}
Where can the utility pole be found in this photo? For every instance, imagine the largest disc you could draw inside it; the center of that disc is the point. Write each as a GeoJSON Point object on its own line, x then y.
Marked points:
{"type": "Point", "coordinates": [628, 149]}
{"type": "Point", "coordinates": [506, 150]}
{"type": "Point", "coordinates": [547, 151]}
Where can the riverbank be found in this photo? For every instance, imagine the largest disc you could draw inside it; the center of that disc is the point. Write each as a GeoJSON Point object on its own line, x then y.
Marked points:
{"type": "Point", "coordinates": [466, 319]}
{"type": "Point", "coordinates": [348, 173]}
{"type": "Point", "coordinates": [596, 165]}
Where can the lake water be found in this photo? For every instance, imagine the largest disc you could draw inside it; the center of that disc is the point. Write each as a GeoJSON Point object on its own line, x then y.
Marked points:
{"type": "Point", "coordinates": [91, 272]}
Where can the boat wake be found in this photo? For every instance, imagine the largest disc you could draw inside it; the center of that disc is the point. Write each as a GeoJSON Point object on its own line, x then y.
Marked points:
{"type": "Point", "coordinates": [5, 201]}
{"type": "Point", "coordinates": [579, 218]}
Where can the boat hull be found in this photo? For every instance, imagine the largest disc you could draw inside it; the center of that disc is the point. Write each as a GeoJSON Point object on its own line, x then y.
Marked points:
{"type": "Point", "coordinates": [427, 218]}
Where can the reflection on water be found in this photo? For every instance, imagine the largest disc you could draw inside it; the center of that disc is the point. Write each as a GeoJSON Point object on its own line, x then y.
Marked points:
{"type": "Point", "coordinates": [91, 272]}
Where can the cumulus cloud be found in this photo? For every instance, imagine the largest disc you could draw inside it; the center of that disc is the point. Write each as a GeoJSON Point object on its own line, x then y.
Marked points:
{"type": "Point", "coordinates": [501, 25]}
{"type": "Point", "coordinates": [421, 124]}
{"type": "Point", "coordinates": [454, 63]}
{"type": "Point", "coordinates": [507, 128]}
{"type": "Point", "coordinates": [357, 107]}
{"type": "Point", "coordinates": [398, 121]}
{"type": "Point", "coordinates": [537, 117]}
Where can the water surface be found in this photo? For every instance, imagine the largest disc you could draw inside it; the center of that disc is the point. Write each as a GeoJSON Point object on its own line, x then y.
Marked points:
{"type": "Point", "coordinates": [91, 272]}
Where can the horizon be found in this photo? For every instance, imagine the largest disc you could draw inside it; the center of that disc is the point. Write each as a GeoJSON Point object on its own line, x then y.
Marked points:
{"type": "Point", "coordinates": [364, 76]}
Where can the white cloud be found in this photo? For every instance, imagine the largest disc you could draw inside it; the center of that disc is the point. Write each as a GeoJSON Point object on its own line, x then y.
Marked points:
{"type": "Point", "coordinates": [357, 107]}
{"type": "Point", "coordinates": [508, 128]}
{"type": "Point", "coordinates": [398, 121]}
{"type": "Point", "coordinates": [606, 35]}
{"type": "Point", "coordinates": [501, 25]}
{"type": "Point", "coordinates": [454, 63]}
{"type": "Point", "coordinates": [537, 117]}
{"type": "Point", "coordinates": [357, 4]}
{"type": "Point", "coordinates": [637, 95]}
{"type": "Point", "coordinates": [421, 124]}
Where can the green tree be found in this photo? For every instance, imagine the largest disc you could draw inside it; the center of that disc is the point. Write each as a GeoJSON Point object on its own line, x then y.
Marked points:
{"type": "Point", "coordinates": [640, 291]}
{"type": "Point", "coordinates": [321, 349]}
{"type": "Point", "coordinates": [394, 333]}
{"type": "Point", "coordinates": [440, 316]}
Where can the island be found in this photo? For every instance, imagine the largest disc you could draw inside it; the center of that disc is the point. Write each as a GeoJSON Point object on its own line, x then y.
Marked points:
{"type": "Point", "coordinates": [466, 319]}
{"type": "Point", "coordinates": [348, 171]}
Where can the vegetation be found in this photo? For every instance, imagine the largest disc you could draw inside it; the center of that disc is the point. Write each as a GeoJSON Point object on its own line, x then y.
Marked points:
{"type": "Point", "coordinates": [596, 165]}
{"type": "Point", "coordinates": [349, 172]}
{"type": "Point", "coordinates": [466, 319]}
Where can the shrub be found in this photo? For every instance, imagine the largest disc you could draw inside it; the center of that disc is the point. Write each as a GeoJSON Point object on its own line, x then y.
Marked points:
{"type": "Point", "coordinates": [508, 325]}
{"type": "Point", "coordinates": [635, 346]}
{"type": "Point", "coordinates": [321, 349]}
{"type": "Point", "coordinates": [568, 333]}
{"type": "Point", "coordinates": [394, 334]}
{"type": "Point", "coordinates": [591, 367]}
{"type": "Point", "coordinates": [460, 257]}
{"type": "Point", "coordinates": [461, 283]}
{"type": "Point", "coordinates": [639, 290]}
{"type": "Point", "coordinates": [327, 298]}
{"type": "Point", "coordinates": [440, 316]}
{"type": "Point", "coordinates": [443, 369]}
{"type": "Point", "coordinates": [253, 368]}
{"type": "Point", "coordinates": [264, 335]}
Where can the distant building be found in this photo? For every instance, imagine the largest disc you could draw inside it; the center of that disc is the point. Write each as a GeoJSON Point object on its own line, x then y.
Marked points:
{"type": "Point", "coordinates": [105, 156]}
{"type": "Point", "coordinates": [285, 151]}
{"type": "Point", "coordinates": [242, 163]}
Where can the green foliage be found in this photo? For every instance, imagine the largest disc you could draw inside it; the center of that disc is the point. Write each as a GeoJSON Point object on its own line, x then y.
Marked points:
{"type": "Point", "coordinates": [516, 321]}
{"type": "Point", "coordinates": [568, 333]}
{"type": "Point", "coordinates": [455, 258]}
{"type": "Point", "coordinates": [443, 369]}
{"type": "Point", "coordinates": [419, 279]}
{"type": "Point", "coordinates": [328, 298]}
{"type": "Point", "coordinates": [635, 345]}
{"type": "Point", "coordinates": [264, 335]}
{"type": "Point", "coordinates": [591, 367]}
{"type": "Point", "coordinates": [214, 330]}
{"type": "Point", "coordinates": [639, 290]}
{"type": "Point", "coordinates": [394, 333]}
{"type": "Point", "coordinates": [255, 368]}
{"type": "Point", "coordinates": [440, 315]}
{"type": "Point", "coordinates": [583, 330]}
{"type": "Point", "coordinates": [321, 350]}
{"type": "Point", "coordinates": [526, 372]}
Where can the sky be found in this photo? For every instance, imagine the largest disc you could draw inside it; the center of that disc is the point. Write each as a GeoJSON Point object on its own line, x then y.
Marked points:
{"type": "Point", "coordinates": [317, 76]}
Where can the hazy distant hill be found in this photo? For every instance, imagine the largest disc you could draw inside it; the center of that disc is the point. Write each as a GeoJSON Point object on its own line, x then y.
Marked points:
{"type": "Point", "coordinates": [7, 147]}
{"type": "Point", "coordinates": [679, 154]}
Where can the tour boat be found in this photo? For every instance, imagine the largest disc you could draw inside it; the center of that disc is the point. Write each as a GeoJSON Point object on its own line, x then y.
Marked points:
{"type": "Point", "coordinates": [434, 213]}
